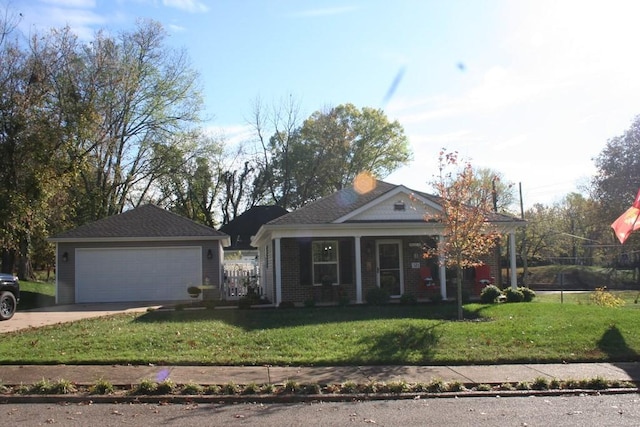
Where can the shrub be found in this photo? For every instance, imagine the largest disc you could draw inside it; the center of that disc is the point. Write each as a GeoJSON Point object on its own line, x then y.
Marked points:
{"type": "Point", "coordinates": [310, 303]}
{"type": "Point", "coordinates": [436, 297]}
{"type": "Point", "coordinates": [529, 294]}
{"type": "Point", "coordinates": [408, 299]}
{"type": "Point", "coordinates": [230, 388]}
{"type": "Point", "coordinates": [490, 294]}
{"type": "Point", "coordinates": [456, 386]}
{"type": "Point", "coordinates": [604, 298]}
{"type": "Point", "coordinates": [245, 303]}
{"type": "Point", "coordinates": [194, 291]}
{"type": "Point", "coordinates": [251, 388]}
{"type": "Point", "coordinates": [287, 304]}
{"type": "Point", "coordinates": [192, 388]}
{"type": "Point", "coordinates": [398, 387]}
{"type": "Point", "coordinates": [436, 385]}
{"type": "Point", "coordinates": [146, 386]}
{"type": "Point", "coordinates": [42, 386]}
{"type": "Point", "coordinates": [212, 389]}
{"type": "Point", "coordinates": [377, 296]}
{"type": "Point", "coordinates": [349, 387]}
{"type": "Point", "coordinates": [598, 383]}
{"type": "Point", "coordinates": [311, 388]}
{"type": "Point", "coordinates": [63, 387]}
{"type": "Point", "coordinates": [291, 386]}
{"type": "Point", "coordinates": [514, 295]}
{"type": "Point", "coordinates": [540, 383]}
{"type": "Point", "coordinates": [165, 387]}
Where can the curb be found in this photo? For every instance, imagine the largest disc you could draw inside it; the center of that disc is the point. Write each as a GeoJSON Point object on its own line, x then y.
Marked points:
{"type": "Point", "coordinates": [297, 398]}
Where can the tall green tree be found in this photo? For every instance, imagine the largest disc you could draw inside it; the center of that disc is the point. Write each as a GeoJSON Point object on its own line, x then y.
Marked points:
{"type": "Point", "coordinates": [34, 142]}
{"type": "Point", "coordinates": [329, 150]}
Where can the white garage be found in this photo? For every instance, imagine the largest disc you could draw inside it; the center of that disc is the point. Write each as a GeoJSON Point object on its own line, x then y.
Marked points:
{"type": "Point", "coordinates": [146, 254]}
{"type": "Point", "coordinates": [136, 274]}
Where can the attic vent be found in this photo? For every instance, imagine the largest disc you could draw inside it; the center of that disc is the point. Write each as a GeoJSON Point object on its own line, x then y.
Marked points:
{"type": "Point", "coordinates": [399, 206]}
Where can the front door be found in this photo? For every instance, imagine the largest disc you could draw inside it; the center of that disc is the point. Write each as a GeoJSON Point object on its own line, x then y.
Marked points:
{"type": "Point", "coordinates": [389, 257]}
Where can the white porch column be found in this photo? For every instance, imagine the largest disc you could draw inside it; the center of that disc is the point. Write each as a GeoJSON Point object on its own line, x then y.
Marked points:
{"type": "Point", "coordinates": [358, 271]}
{"type": "Point", "coordinates": [512, 253]}
{"type": "Point", "coordinates": [277, 263]}
{"type": "Point", "coordinates": [442, 270]}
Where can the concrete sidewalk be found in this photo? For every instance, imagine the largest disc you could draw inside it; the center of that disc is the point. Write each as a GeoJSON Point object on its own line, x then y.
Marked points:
{"type": "Point", "coordinates": [486, 374]}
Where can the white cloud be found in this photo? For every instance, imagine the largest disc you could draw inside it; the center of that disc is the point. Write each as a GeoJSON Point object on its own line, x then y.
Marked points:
{"type": "Point", "coordinates": [176, 28]}
{"type": "Point", "coordinates": [192, 6]}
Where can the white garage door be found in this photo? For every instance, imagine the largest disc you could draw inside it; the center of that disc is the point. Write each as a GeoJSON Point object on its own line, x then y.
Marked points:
{"type": "Point", "coordinates": [137, 274]}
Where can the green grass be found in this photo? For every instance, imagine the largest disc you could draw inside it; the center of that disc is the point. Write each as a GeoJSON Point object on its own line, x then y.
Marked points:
{"type": "Point", "coordinates": [541, 331]}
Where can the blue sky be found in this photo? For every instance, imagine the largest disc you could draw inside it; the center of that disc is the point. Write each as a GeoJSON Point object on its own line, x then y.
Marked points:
{"type": "Point", "coordinates": [532, 89]}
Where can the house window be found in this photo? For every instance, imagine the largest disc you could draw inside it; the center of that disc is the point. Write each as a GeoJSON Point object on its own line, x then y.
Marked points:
{"type": "Point", "coordinates": [325, 262]}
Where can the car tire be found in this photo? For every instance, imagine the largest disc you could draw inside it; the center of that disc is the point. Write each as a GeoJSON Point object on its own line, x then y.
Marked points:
{"type": "Point", "coordinates": [8, 305]}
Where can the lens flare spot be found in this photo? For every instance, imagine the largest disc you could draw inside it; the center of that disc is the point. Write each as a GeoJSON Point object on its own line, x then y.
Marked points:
{"type": "Point", "coordinates": [364, 183]}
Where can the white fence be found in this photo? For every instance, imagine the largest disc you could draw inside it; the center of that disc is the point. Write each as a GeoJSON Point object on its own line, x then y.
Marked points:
{"type": "Point", "coordinates": [240, 279]}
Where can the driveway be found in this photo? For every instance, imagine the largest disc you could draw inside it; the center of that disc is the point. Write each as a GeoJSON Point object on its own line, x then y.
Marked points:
{"type": "Point", "coordinates": [70, 313]}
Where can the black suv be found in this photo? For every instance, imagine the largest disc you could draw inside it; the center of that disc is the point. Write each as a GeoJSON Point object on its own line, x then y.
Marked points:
{"type": "Point", "coordinates": [9, 295]}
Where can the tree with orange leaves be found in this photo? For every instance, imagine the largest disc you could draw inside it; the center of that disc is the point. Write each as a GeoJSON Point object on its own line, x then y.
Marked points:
{"type": "Point", "coordinates": [468, 234]}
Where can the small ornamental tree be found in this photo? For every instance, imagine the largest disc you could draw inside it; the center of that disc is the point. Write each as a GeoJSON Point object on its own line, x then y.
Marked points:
{"type": "Point", "coordinates": [468, 234]}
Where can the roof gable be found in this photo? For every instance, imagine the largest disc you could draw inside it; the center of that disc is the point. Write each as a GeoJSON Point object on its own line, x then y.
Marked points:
{"type": "Point", "coordinates": [147, 222]}
{"type": "Point", "coordinates": [330, 209]}
{"type": "Point", "coordinates": [399, 204]}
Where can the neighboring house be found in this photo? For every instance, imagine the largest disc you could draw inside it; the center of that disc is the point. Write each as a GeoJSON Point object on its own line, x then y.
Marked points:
{"type": "Point", "coordinates": [246, 225]}
{"type": "Point", "coordinates": [144, 254]}
{"type": "Point", "coordinates": [240, 258]}
{"type": "Point", "coordinates": [350, 242]}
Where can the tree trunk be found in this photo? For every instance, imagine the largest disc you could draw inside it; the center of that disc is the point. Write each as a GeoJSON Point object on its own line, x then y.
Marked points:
{"type": "Point", "coordinates": [459, 292]}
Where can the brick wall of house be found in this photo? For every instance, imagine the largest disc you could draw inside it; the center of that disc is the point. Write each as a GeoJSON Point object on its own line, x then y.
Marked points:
{"type": "Point", "coordinates": [293, 290]}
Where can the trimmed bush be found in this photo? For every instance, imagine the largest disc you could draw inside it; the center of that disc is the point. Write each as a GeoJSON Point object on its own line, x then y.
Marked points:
{"type": "Point", "coordinates": [514, 295]}
{"type": "Point", "coordinates": [529, 294]}
{"type": "Point", "coordinates": [408, 299]}
{"type": "Point", "coordinates": [377, 296]}
{"type": "Point", "coordinates": [435, 297]}
{"type": "Point", "coordinates": [490, 294]}
{"type": "Point", "coordinates": [287, 304]}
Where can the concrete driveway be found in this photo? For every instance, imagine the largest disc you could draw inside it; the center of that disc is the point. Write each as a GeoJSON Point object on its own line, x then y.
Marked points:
{"type": "Point", "coordinates": [69, 313]}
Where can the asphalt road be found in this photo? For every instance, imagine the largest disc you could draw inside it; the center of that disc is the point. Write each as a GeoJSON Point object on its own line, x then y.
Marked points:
{"type": "Point", "coordinates": [578, 411]}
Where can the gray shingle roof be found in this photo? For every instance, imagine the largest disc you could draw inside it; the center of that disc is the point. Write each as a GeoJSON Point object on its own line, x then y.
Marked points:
{"type": "Point", "coordinates": [144, 222]}
{"type": "Point", "coordinates": [328, 209]}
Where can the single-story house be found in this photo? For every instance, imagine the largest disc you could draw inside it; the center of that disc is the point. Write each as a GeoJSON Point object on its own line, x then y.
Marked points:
{"type": "Point", "coordinates": [360, 238]}
{"type": "Point", "coordinates": [143, 254]}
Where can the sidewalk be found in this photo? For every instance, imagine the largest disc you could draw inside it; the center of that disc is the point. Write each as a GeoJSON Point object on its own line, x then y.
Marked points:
{"type": "Point", "coordinates": [122, 375]}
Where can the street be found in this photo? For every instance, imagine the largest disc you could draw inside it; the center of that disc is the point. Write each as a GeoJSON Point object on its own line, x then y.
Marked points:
{"type": "Point", "coordinates": [610, 410]}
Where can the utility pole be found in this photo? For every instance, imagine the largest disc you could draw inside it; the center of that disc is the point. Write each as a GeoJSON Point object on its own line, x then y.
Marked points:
{"type": "Point", "coordinates": [524, 241]}
{"type": "Point", "coordinates": [494, 196]}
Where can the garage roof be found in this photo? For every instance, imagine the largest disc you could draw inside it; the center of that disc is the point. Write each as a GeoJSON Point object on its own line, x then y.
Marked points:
{"type": "Point", "coordinates": [147, 222]}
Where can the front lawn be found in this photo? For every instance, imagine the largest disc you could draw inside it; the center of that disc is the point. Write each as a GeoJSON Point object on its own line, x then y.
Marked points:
{"type": "Point", "coordinates": [541, 331]}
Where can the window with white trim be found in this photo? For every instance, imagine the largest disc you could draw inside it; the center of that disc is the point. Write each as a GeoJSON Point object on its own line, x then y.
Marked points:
{"type": "Point", "coordinates": [325, 262]}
